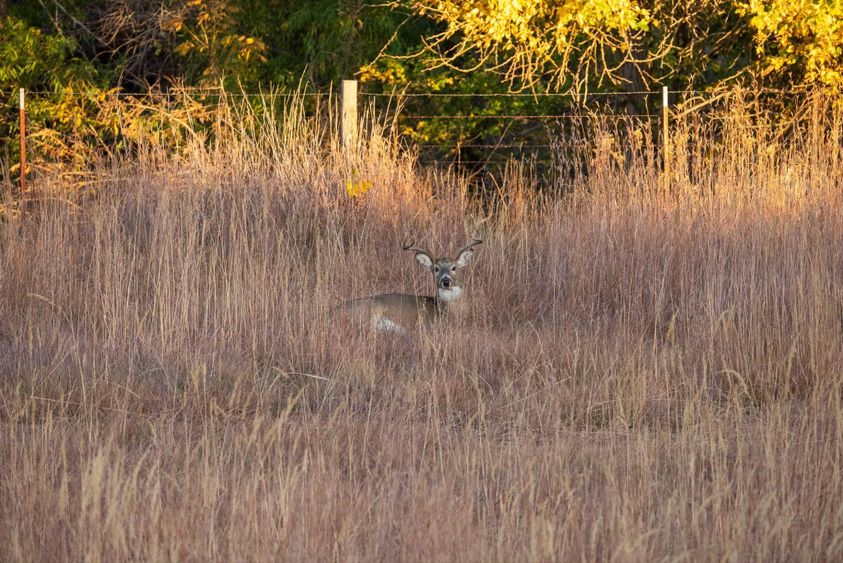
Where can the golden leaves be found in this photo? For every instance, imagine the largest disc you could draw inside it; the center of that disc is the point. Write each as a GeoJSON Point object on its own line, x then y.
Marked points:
{"type": "Point", "coordinates": [526, 39]}
{"type": "Point", "coordinates": [806, 36]}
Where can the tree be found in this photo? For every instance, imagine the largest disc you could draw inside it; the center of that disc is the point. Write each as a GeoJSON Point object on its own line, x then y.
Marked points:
{"type": "Point", "coordinates": [798, 41]}
{"type": "Point", "coordinates": [579, 43]}
{"type": "Point", "coordinates": [530, 42]}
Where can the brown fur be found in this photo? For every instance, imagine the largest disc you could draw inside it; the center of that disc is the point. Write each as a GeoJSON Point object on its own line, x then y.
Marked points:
{"type": "Point", "coordinates": [404, 311]}
{"type": "Point", "coordinates": [397, 312]}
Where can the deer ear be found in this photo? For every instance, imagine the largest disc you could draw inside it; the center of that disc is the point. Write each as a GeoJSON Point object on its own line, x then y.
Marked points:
{"type": "Point", "coordinates": [465, 257]}
{"type": "Point", "coordinates": [424, 260]}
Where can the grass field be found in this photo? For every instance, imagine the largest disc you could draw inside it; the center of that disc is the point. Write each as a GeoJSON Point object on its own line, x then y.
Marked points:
{"type": "Point", "coordinates": [643, 372]}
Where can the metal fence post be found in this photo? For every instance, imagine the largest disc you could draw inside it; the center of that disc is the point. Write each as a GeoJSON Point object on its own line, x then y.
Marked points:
{"type": "Point", "coordinates": [348, 132]}
{"type": "Point", "coordinates": [666, 137]}
{"type": "Point", "coordinates": [22, 142]}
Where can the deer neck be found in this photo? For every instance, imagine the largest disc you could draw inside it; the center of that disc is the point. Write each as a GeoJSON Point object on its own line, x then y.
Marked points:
{"type": "Point", "coordinates": [445, 297]}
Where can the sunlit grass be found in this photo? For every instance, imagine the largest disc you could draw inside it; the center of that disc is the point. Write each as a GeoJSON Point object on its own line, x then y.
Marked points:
{"type": "Point", "coordinates": [645, 371]}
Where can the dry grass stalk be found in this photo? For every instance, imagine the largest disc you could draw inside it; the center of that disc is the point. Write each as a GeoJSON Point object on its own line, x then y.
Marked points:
{"type": "Point", "coordinates": [645, 375]}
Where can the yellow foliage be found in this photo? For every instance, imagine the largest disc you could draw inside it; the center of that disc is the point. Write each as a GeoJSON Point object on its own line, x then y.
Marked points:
{"type": "Point", "coordinates": [529, 33]}
{"type": "Point", "coordinates": [357, 189]}
{"type": "Point", "coordinates": [387, 72]}
{"type": "Point", "coordinates": [209, 32]}
{"type": "Point", "coordinates": [530, 40]}
{"type": "Point", "coordinates": [800, 33]}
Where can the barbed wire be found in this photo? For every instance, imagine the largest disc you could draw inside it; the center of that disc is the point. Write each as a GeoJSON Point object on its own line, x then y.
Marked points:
{"type": "Point", "coordinates": [219, 92]}
{"type": "Point", "coordinates": [488, 162]}
{"type": "Point", "coordinates": [564, 94]}
{"type": "Point", "coordinates": [502, 94]}
{"type": "Point", "coordinates": [561, 116]}
{"type": "Point", "coordinates": [485, 146]}
{"type": "Point", "coordinates": [176, 93]}
{"type": "Point", "coordinates": [458, 161]}
{"type": "Point", "coordinates": [582, 116]}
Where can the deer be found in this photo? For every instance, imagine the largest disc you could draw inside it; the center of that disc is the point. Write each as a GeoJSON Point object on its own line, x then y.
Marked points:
{"type": "Point", "coordinates": [399, 313]}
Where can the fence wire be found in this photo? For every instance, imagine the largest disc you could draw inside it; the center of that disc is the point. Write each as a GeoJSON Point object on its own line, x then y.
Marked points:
{"type": "Point", "coordinates": [515, 136]}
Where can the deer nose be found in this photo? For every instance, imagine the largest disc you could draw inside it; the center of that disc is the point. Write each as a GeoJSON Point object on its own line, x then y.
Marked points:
{"type": "Point", "coordinates": [446, 282]}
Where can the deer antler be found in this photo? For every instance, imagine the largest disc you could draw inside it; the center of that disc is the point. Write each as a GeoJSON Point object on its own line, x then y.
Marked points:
{"type": "Point", "coordinates": [416, 249]}
{"type": "Point", "coordinates": [474, 242]}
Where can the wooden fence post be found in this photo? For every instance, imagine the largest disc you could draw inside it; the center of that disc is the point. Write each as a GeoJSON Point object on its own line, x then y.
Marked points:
{"type": "Point", "coordinates": [666, 137]}
{"type": "Point", "coordinates": [348, 132]}
{"type": "Point", "coordinates": [22, 143]}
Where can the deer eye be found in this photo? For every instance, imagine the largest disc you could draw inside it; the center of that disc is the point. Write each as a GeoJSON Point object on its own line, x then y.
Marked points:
{"type": "Point", "coordinates": [453, 268]}
{"type": "Point", "coordinates": [436, 268]}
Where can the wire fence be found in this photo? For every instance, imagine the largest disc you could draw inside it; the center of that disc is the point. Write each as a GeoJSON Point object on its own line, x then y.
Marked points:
{"type": "Point", "coordinates": [470, 129]}
{"type": "Point", "coordinates": [490, 130]}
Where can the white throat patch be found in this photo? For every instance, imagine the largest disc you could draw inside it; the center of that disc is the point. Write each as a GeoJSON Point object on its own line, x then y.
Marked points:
{"type": "Point", "coordinates": [449, 295]}
{"type": "Point", "coordinates": [385, 325]}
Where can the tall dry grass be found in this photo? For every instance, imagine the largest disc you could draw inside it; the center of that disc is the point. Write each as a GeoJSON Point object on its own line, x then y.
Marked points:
{"type": "Point", "coordinates": [645, 372]}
